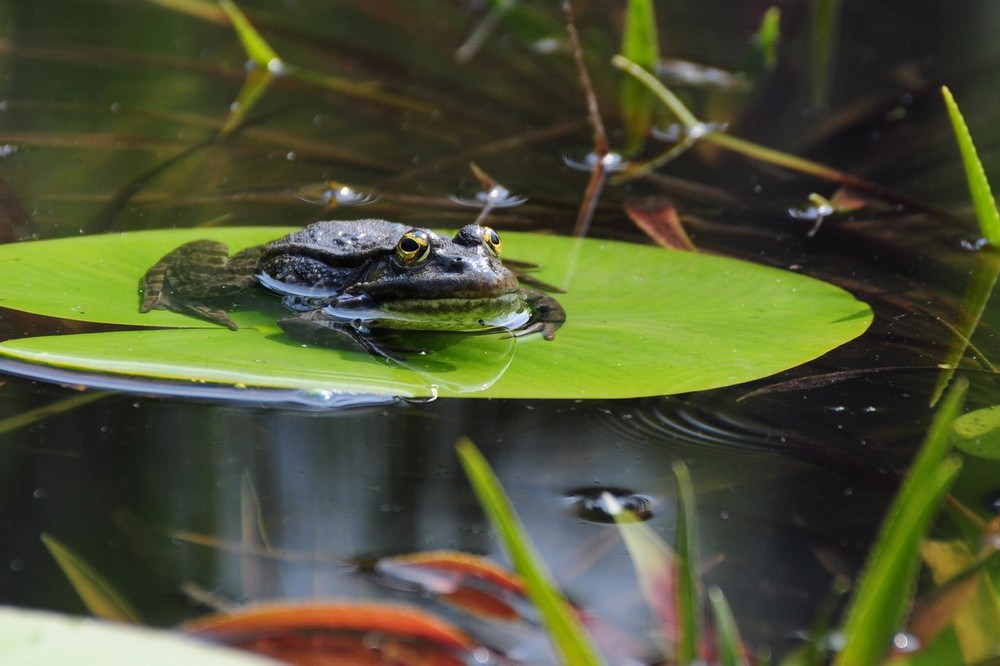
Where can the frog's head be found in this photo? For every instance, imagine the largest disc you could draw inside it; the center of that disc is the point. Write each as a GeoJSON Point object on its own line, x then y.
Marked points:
{"type": "Point", "coordinates": [424, 265]}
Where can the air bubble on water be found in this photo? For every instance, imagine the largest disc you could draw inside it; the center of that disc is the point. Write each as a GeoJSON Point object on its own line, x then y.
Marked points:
{"type": "Point", "coordinates": [905, 642]}
{"type": "Point", "coordinates": [334, 194]}
{"type": "Point", "coordinates": [612, 162]}
{"type": "Point", "coordinates": [276, 66]}
{"type": "Point", "coordinates": [601, 505]}
{"type": "Point", "coordinates": [496, 197]}
{"type": "Point", "coordinates": [9, 150]}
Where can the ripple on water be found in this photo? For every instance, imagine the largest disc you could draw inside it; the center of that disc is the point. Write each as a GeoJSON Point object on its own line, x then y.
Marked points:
{"type": "Point", "coordinates": [650, 423]}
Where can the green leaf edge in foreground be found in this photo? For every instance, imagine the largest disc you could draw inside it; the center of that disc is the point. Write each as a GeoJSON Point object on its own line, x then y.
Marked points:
{"type": "Point", "coordinates": [641, 321]}
{"type": "Point", "coordinates": [885, 587]}
{"type": "Point", "coordinates": [561, 624]}
{"type": "Point", "coordinates": [32, 638]}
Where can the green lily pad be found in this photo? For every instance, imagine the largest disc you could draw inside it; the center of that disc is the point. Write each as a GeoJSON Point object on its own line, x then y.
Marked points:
{"type": "Point", "coordinates": [641, 321]}
{"type": "Point", "coordinates": [978, 432]}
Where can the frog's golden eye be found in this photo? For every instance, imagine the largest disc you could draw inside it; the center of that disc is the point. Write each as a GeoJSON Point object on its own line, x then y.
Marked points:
{"type": "Point", "coordinates": [413, 248]}
{"type": "Point", "coordinates": [492, 240]}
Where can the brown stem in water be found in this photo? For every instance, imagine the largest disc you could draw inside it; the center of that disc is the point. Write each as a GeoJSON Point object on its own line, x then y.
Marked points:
{"type": "Point", "coordinates": [598, 174]}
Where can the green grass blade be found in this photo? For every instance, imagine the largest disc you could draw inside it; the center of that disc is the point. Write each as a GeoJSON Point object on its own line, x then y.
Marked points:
{"type": "Point", "coordinates": [669, 99]}
{"type": "Point", "coordinates": [256, 84]}
{"type": "Point", "coordinates": [768, 35]}
{"type": "Point", "coordinates": [655, 567]}
{"type": "Point", "coordinates": [728, 643]}
{"type": "Point", "coordinates": [689, 608]}
{"type": "Point", "coordinates": [640, 45]}
{"type": "Point", "coordinates": [825, 26]}
{"type": "Point", "coordinates": [763, 55]}
{"type": "Point", "coordinates": [979, 186]}
{"type": "Point", "coordinates": [30, 416]}
{"type": "Point", "coordinates": [256, 47]}
{"type": "Point", "coordinates": [885, 587]}
{"type": "Point", "coordinates": [564, 630]}
{"type": "Point", "coordinates": [97, 594]}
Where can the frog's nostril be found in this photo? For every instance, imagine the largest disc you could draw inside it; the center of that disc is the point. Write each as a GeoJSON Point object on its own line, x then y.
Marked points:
{"type": "Point", "coordinates": [457, 264]}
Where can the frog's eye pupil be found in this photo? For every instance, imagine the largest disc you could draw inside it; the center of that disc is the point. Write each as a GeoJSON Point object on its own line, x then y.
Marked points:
{"type": "Point", "coordinates": [492, 240]}
{"type": "Point", "coordinates": [413, 248]}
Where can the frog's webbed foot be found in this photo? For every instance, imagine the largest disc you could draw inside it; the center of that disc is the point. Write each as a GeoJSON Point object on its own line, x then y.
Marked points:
{"type": "Point", "coordinates": [314, 327]}
{"type": "Point", "coordinates": [186, 279]}
{"type": "Point", "coordinates": [547, 316]}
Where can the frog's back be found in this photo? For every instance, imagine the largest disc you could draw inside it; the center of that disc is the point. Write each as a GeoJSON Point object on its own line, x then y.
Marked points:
{"type": "Point", "coordinates": [344, 241]}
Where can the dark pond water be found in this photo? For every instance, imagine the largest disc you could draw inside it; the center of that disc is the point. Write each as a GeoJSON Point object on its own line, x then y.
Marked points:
{"type": "Point", "coordinates": [100, 104]}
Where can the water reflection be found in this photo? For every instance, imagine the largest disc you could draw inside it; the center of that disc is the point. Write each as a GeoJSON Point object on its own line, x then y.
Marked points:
{"type": "Point", "coordinates": [790, 485]}
{"type": "Point", "coordinates": [143, 475]}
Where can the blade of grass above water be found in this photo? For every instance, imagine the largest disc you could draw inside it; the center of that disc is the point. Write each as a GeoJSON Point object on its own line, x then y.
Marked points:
{"type": "Point", "coordinates": [727, 635]}
{"type": "Point", "coordinates": [640, 45]}
{"type": "Point", "coordinates": [825, 27]}
{"type": "Point", "coordinates": [564, 630]}
{"type": "Point", "coordinates": [885, 587]}
{"type": "Point", "coordinates": [979, 186]}
{"type": "Point", "coordinates": [655, 565]}
{"type": "Point", "coordinates": [669, 581]}
{"type": "Point", "coordinates": [986, 268]}
{"type": "Point", "coordinates": [689, 608]}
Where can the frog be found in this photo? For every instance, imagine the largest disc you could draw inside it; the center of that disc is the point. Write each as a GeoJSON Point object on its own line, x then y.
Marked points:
{"type": "Point", "coordinates": [360, 284]}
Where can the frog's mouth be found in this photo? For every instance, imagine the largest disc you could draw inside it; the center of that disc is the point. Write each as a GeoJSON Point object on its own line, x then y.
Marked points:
{"type": "Point", "coordinates": [507, 312]}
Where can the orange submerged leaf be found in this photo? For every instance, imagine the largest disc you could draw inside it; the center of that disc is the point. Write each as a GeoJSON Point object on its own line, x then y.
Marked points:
{"type": "Point", "coordinates": [472, 583]}
{"type": "Point", "coordinates": [333, 634]}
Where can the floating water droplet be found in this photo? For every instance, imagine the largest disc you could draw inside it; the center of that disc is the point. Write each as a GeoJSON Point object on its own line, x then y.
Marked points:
{"type": "Point", "coordinates": [993, 502]}
{"type": "Point", "coordinates": [332, 194]}
{"type": "Point", "coordinates": [9, 150]}
{"type": "Point", "coordinates": [817, 209]}
{"type": "Point", "coordinates": [973, 244]}
{"type": "Point", "coordinates": [687, 73]}
{"type": "Point", "coordinates": [593, 503]}
{"type": "Point", "coordinates": [906, 643]}
{"type": "Point", "coordinates": [612, 162]}
{"type": "Point", "coordinates": [496, 197]}
{"type": "Point", "coordinates": [276, 66]}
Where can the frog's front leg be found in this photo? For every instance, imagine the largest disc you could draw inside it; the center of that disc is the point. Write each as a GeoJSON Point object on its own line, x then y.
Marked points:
{"type": "Point", "coordinates": [547, 316]}
{"type": "Point", "coordinates": [187, 280]}
{"type": "Point", "coordinates": [318, 327]}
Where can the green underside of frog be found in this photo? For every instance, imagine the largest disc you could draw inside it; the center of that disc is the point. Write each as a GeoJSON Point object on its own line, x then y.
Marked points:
{"type": "Point", "coordinates": [358, 284]}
